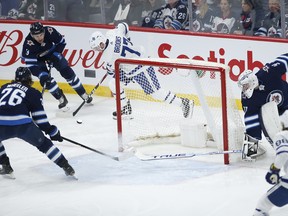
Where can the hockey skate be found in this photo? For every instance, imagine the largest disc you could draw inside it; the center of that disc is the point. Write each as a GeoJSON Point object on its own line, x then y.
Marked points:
{"type": "Point", "coordinates": [187, 107]}
{"type": "Point", "coordinates": [126, 112]}
{"type": "Point", "coordinates": [87, 98]}
{"type": "Point", "coordinates": [63, 102]}
{"type": "Point", "coordinates": [7, 169]}
{"type": "Point", "coordinates": [69, 171]}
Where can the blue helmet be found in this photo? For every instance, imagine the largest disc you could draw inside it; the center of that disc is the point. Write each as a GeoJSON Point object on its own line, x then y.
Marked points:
{"type": "Point", "coordinates": [23, 75]}
{"type": "Point", "coordinates": [36, 28]}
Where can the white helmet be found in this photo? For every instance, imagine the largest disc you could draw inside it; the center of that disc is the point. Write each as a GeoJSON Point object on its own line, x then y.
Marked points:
{"type": "Point", "coordinates": [247, 82]}
{"type": "Point", "coordinates": [97, 41]}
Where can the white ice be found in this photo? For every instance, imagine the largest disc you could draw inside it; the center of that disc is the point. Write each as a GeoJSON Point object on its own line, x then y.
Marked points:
{"type": "Point", "coordinates": [199, 186]}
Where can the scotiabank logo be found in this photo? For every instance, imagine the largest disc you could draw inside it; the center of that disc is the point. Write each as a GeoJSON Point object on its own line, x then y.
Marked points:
{"type": "Point", "coordinates": [237, 66]}
{"type": "Point", "coordinates": [11, 47]}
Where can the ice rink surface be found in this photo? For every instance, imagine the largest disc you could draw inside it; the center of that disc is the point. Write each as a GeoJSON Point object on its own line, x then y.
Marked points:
{"type": "Point", "coordinates": [198, 186]}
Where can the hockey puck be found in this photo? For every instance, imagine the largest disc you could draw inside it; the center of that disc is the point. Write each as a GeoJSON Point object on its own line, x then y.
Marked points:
{"type": "Point", "coordinates": [79, 121]}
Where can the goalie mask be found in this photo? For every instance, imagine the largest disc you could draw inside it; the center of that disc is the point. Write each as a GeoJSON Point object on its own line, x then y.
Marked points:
{"type": "Point", "coordinates": [97, 41]}
{"type": "Point", "coordinates": [247, 82]}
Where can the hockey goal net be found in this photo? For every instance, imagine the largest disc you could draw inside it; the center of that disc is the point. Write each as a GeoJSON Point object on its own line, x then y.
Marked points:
{"type": "Point", "coordinates": [157, 122]}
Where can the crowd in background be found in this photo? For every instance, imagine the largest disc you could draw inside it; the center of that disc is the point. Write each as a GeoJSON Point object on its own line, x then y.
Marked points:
{"type": "Point", "coordinates": [245, 17]}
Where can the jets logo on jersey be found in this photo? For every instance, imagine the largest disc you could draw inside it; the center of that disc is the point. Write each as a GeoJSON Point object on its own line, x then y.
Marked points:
{"type": "Point", "coordinates": [276, 96]}
{"type": "Point", "coordinates": [30, 43]}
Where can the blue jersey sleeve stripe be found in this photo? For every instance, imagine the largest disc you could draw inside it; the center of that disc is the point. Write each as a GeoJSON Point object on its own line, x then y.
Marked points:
{"type": "Point", "coordinates": [16, 122]}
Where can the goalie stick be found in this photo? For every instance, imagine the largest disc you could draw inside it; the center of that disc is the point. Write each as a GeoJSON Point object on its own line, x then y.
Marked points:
{"type": "Point", "coordinates": [145, 157]}
{"type": "Point", "coordinates": [117, 158]}
{"type": "Point", "coordinates": [91, 93]}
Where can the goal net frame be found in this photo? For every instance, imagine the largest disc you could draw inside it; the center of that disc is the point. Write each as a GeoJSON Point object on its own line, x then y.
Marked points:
{"type": "Point", "coordinates": [175, 63]}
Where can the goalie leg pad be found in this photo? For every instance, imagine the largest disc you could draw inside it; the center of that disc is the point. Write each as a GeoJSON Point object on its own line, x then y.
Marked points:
{"type": "Point", "coordinates": [270, 121]}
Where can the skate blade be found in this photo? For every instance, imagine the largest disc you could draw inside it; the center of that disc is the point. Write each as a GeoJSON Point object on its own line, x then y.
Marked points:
{"type": "Point", "coordinates": [73, 177]}
{"type": "Point", "coordinates": [65, 109]}
{"type": "Point", "coordinates": [8, 176]}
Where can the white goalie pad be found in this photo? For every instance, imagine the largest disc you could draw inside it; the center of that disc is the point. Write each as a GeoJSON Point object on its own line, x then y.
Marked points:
{"type": "Point", "coordinates": [271, 124]}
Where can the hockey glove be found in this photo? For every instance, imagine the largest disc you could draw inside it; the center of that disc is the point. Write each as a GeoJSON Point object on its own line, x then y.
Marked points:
{"type": "Point", "coordinates": [54, 133]}
{"type": "Point", "coordinates": [272, 177]}
{"type": "Point", "coordinates": [45, 80]}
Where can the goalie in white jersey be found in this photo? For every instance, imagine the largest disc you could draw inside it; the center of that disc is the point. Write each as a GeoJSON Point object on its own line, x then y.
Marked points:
{"type": "Point", "coordinates": [117, 44]}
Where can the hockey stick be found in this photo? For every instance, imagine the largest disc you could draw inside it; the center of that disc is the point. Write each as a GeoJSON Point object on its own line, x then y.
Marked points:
{"type": "Point", "coordinates": [49, 75]}
{"type": "Point", "coordinates": [91, 93]}
{"type": "Point", "coordinates": [144, 157]}
{"type": "Point", "coordinates": [117, 158]}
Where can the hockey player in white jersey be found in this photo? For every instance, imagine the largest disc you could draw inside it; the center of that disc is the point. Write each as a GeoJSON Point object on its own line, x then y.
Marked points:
{"type": "Point", "coordinates": [117, 44]}
{"type": "Point", "coordinates": [278, 194]}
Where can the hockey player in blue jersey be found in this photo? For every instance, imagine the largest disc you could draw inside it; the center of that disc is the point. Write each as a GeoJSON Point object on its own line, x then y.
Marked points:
{"type": "Point", "coordinates": [277, 174]}
{"type": "Point", "coordinates": [117, 44]}
{"type": "Point", "coordinates": [258, 89]}
{"type": "Point", "coordinates": [42, 46]}
{"type": "Point", "coordinates": [22, 116]}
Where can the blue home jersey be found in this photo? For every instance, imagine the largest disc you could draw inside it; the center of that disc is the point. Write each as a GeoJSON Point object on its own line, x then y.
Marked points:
{"type": "Point", "coordinates": [53, 42]}
{"type": "Point", "coordinates": [20, 104]}
{"type": "Point", "coordinates": [271, 88]}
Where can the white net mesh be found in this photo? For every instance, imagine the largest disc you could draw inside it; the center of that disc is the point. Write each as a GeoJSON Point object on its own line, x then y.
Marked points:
{"type": "Point", "coordinates": [156, 120]}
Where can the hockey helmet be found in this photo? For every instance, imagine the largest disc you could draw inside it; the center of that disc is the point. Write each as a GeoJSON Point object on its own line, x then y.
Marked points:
{"type": "Point", "coordinates": [36, 28]}
{"type": "Point", "coordinates": [247, 82]}
{"type": "Point", "coordinates": [23, 75]}
{"type": "Point", "coordinates": [97, 41]}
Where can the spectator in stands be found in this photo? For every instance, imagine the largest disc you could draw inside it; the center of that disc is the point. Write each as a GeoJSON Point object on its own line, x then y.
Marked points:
{"type": "Point", "coordinates": [174, 15]}
{"type": "Point", "coordinates": [224, 22]}
{"type": "Point", "coordinates": [147, 8]}
{"type": "Point", "coordinates": [128, 11]}
{"type": "Point", "coordinates": [204, 17]}
{"type": "Point", "coordinates": [9, 6]}
{"type": "Point", "coordinates": [261, 9]}
{"type": "Point", "coordinates": [271, 25]}
{"type": "Point", "coordinates": [66, 10]}
{"type": "Point", "coordinates": [245, 23]}
{"type": "Point", "coordinates": [31, 10]}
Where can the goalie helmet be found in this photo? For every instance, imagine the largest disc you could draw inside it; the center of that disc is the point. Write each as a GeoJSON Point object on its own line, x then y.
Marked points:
{"type": "Point", "coordinates": [36, 28]}
{"type": "Point", "coordinates": [97, 41]}
{"type": "Point", "coordinates": [23, 75]}
{"type": "Point", "coordinates": [247, 82]}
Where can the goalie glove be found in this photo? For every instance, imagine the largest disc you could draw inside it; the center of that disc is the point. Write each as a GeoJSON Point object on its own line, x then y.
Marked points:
{"type": "Point", "coordinates": [272, 176]}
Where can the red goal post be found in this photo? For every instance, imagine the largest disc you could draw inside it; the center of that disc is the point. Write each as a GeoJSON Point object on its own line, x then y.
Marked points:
{"type": "Point", "coordinates": [216, 71]}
